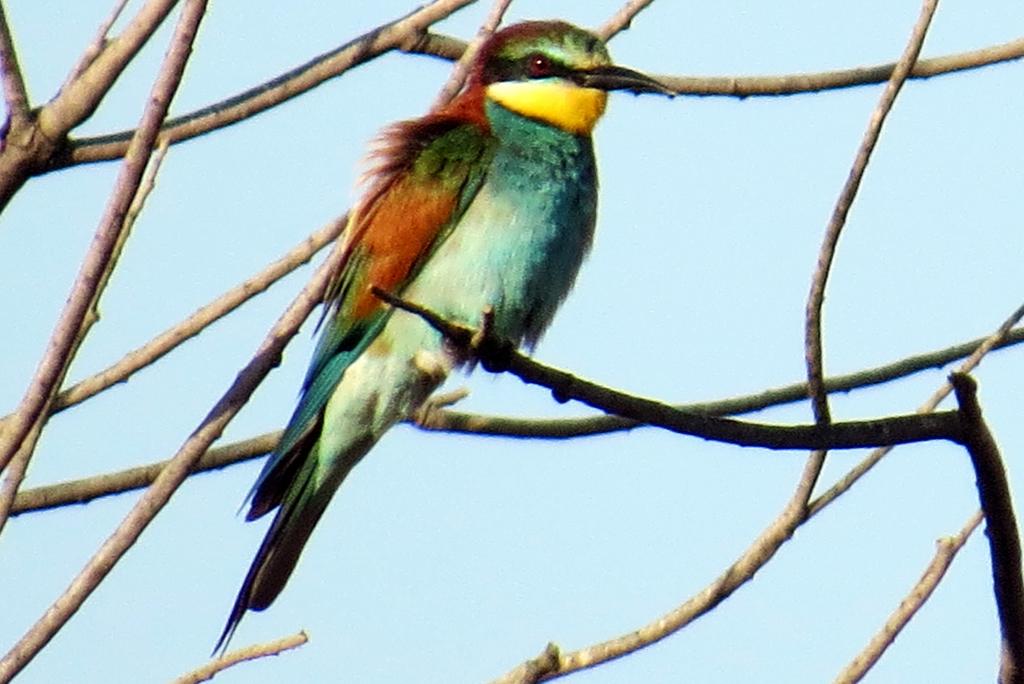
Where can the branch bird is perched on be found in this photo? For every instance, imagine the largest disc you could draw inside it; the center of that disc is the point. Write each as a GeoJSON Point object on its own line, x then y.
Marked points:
{"type": "Point", "coordinates": [487, 203]}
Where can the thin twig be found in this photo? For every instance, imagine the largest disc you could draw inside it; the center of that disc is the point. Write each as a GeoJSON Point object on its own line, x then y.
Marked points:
{"type": "Point", "coordinates": [461, 70]}
{"type": "Point", "coordinates": [241, 655]}
{"type": "Point", "coordinates": [736, 575]}
{"type": "Point", "coordinates": [406, 33]}
{"type": "Point", "coordinates": [97, 44]}
{"type": "Point", "coordinates": [167, 341]}
{"type": "Point", "coordinates": [946, 551]}
{"type": "Point", "coordinates": [267, 95]}
{"type": "Point", "coordinates": [1000, 527]}
{"type": "Point", "coordinates": [816, 82]}
{"type": "Point", "coordinates": [88, 489]}
{"type": "Point", "coordinates": [816, 297]}
{"type": "Point", "coordinates": [15, 92]}
{"type": "Point", "coordinates": [621, 20]}
{"type": "Point", "coordinates": [142, 193]}
{"type": "Point", "coordinates": [813, 345]}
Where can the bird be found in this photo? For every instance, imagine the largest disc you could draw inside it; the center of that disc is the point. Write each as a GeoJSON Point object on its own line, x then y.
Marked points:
{"type": "Point", "coordinates": [485, 204]}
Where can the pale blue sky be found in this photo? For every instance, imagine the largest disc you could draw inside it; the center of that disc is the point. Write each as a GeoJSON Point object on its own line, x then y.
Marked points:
{"type": "Point", "coordinates": [451, 559]}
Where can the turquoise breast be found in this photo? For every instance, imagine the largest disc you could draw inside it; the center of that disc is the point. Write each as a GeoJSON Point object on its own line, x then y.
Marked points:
{"type": "Point", "coordinates": [521, 241]}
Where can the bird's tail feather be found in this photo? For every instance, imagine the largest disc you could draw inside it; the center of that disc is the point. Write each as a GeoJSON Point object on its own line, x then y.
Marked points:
{"type": "Point", "coordinates": [303, 505]}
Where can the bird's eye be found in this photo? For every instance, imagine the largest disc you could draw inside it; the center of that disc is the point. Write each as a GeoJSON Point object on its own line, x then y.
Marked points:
{"type": "Point", "coordinates": [538, 65]}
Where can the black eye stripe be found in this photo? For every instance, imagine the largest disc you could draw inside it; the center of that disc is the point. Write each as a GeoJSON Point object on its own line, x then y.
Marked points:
{"type": "Point", "coordinates": [524, 68]}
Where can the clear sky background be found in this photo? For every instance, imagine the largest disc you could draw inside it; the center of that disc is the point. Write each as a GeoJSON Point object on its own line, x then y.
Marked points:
{"type": "Point", "coordinates": [449, 558]}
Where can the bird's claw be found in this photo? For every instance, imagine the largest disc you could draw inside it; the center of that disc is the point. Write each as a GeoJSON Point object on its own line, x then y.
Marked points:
{"type": "Point", "coordinates": [484, 333]}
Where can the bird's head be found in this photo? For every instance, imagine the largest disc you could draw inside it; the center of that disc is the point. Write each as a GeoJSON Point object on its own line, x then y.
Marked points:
{"type": "Point", "coordinates": [554, 72]}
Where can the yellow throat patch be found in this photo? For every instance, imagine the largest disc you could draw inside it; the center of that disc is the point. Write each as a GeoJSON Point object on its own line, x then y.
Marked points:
{"type": "Point", "coordinates": [568, 107]}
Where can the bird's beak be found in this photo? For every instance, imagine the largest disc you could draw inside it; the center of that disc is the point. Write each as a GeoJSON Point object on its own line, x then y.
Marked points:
{"type": "Point", "coordinates": [613, 77]}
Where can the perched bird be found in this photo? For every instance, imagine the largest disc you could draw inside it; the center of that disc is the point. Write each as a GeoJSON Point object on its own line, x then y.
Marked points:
{"type": "Point", "coordinates": [487, 203]}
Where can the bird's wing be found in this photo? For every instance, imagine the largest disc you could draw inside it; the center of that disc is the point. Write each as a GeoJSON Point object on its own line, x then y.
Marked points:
{"type": "Point", "coordinates": [427, 171]}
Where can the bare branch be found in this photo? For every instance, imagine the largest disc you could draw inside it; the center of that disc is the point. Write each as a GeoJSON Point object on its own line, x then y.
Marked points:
{"type": "Point", "coordinates": [19, 464]}
{"type": "Point", "coordinates": [146, 185]}
{"type": "Point", "coordinates": [241, 655]}
{"type": "Point", "coordinates": [156, 497]}
{"type": "Point", "coordinates": [402, 34]}
{"type": "Point", "coordinates": [95, 47]}
{"type": "Point", "coordinates": [946, 551]}
{"type": "Point", "coordinates": [19, 433]}
{"type": "Point", "coordinates": [33, 150]}
{"type": "Point", "coordinates": [461, 70]}
{"type": "Point", "coordinates": [737, 574]}
{"type": "Point", "coordinates": [267, 356]}
{"type": "Point", "coordinates": [740, 572]}
{"type": "Point", "coordinates": [315, 72]}
{"type": "Point", "coordinates": [799, 84]}
{"type": "Point", "coordinates": [813, 345]}
{"type": "Point", "coordinates": [1000, 526]}
{"type": "Point", "coordinates": [498, 356]}
{"type": "Point", "coordinates": [15, 92]}
{"type": "Point", "coordinates": [434, 414]}
{"type": "Point", "coordinates": [993, 341]}
{"type": "Point", "coordinates": [79, 97]}
{"type": "Point", "coordinates": [568, 428]}
{"type": "Point", "coordinates": [622, 19]}
{"type": "Point", "coordinates": [89, 488]}
{"type": "Point", "coordinates": [34, 409]}
{"type": "Point", "coordinates": [171, 338]}
{"type": "Point", "coordinates": [816, 298]}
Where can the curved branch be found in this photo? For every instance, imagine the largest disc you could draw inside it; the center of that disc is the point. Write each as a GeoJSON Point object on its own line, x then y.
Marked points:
{"type": "Point", "coordinates": [741, 571]}
{"type": "Point", "coordinates": [735, 576]}
{"type": "Point", "coordinates": [498, 356]}
{"type": "Point", "coordinates": [816, 297]}
{"type": "Point", "coordinates": [567, 428]}
{"type": "Point", "coordinates": [242, 655]}
{"type": "Point", "coordinates": [813, 344]}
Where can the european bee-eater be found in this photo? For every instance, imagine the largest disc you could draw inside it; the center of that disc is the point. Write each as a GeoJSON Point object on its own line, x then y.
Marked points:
{"type": "Point", "coordinates": [487, 203]}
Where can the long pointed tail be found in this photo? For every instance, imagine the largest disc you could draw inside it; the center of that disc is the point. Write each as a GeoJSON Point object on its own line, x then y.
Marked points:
{"type": "Point", "coordinates": [302, 507]}
{"type": "Point", "coordinates": [376, 391]}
